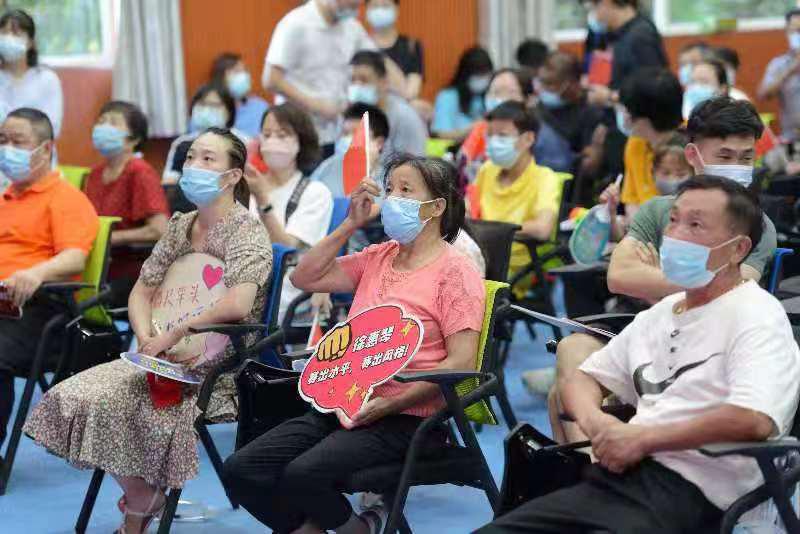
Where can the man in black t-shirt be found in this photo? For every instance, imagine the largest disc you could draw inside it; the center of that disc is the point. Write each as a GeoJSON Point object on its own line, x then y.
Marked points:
{"type": "Point", "coordinates": [635, 42]}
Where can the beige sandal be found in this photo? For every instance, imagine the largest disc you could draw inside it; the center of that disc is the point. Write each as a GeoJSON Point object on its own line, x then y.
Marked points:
{"type": "Point", "coordinates": [147, 516]}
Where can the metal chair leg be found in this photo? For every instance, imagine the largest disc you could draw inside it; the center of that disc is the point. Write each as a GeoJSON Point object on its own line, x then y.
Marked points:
{"type": "Point", "coordinates": [502, 399]}
{"type": "Point", "coordinates": [25, 401]}
{"type": "Point", "coordinates": [213, 453]}
{"type": "Point", "coordinates": [165, 523]}
{"type": "Point", "coordinates": [405, 528]}
{"type": "Point", "coordinates": [89, 500]}
{"type": "Point", "coordinates": [396, 520]}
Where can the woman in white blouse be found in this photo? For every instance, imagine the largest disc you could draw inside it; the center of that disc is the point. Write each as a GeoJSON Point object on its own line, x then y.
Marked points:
{"type": "Point", "coordinates": [23, 82]}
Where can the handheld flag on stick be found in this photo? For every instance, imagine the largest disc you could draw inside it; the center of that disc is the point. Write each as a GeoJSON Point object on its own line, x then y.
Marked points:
{"type": "Point", "coordinates": [356, 160]}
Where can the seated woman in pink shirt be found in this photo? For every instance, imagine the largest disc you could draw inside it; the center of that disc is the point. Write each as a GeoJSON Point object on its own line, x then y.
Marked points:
{"type": "Point", "coordinates": [287, 477]}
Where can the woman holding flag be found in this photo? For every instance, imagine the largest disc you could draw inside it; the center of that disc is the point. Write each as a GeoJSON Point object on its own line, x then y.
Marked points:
{"type": "Point", "coordinates": [287, 477]}
{"type": "Point", "coordinates": [295, 211]}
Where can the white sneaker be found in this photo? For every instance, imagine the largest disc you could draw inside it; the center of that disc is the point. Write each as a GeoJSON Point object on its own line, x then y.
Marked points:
{"type": "Point", "coordinates": [539, 381]}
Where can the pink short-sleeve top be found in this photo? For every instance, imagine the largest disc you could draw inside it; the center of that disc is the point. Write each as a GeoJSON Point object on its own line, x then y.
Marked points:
{"type": "Point", "coordinates": [447, 296]}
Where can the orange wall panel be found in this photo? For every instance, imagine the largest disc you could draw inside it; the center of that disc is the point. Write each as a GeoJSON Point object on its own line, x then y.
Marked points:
{"type": "Point", "coordinates": [85, 92]}
{"type": "Point", "coordinates": [445, 27]}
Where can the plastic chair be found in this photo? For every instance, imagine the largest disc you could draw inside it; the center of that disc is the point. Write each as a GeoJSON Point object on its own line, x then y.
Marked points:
{"type": "Point", "coordinates": [495, 240]}
{"type": "Point", "coordinates": [80, 301]}
{"type": "Point", "coordinates": [436, 148]}
{"type": "Point", "coordinates": [74, 174]}
{"type": "Point", "coordinates": [467, 394]}
{"type": "Point", "coordinates": [282, 257]}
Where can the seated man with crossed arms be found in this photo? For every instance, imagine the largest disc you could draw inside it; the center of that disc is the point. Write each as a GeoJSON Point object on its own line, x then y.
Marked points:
{"type": "Point", "coordinates": [715, 362]}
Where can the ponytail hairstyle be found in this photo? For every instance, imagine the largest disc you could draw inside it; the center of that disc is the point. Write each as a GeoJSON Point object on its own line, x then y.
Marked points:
{"type": "Point", "coordinates": [441, 180]}
{"type": "Point", "coordinates": [237, 154]}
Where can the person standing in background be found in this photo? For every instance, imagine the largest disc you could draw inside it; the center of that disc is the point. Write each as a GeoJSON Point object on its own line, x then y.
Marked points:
{"type": "Point", "coordinates": [230, 71]}
{"type": "Point", "coordinates": [404, 57]}
{"type": "Point", "coordinates": [23, 82]}
{"type": "Point", "coordinates": [782, 79]}
{"type": "Point", "coordinates": [634, 40]}
{"type": "Point", "coordinates": [307, 62]}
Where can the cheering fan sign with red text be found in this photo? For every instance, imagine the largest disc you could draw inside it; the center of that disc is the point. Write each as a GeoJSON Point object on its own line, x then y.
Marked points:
{"type": "Point", "coordinates": [355, 356]}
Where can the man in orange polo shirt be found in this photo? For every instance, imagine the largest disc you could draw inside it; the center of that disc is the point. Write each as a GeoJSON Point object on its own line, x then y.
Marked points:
{"type": "Point", "coordinates": [47, 228]}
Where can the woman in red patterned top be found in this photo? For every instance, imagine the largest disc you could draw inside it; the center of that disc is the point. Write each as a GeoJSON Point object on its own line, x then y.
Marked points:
{"type": "Point", "coordinates": [124, 185]}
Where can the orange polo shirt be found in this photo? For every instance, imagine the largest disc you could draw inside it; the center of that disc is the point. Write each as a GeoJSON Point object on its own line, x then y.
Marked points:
{"type": "Point", "coordinates": [47, 218]}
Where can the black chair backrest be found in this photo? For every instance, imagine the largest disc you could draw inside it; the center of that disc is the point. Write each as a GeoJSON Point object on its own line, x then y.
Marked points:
{"type": "Point", "coordinates": [495, 239]}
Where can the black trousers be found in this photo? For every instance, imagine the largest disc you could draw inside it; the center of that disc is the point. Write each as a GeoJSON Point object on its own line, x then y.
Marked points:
{"type": "Point", "coordinates": [18, 343]}
{"type": "Point", "coordinates": [292, 473]}
{"type": "Point", "coordinates": [648, 499]}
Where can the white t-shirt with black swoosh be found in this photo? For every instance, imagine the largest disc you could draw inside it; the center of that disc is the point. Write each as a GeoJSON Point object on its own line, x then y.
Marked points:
{"type": "Point", "coordinates": [738, 349]}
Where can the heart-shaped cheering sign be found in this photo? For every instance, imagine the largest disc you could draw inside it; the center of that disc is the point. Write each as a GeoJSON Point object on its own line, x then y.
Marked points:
{"type": "Point", "coordinates": [355, 356]}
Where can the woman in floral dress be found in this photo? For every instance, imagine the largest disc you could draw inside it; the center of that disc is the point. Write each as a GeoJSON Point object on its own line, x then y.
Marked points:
{"type": "Point", "coordinates": [105, 417]}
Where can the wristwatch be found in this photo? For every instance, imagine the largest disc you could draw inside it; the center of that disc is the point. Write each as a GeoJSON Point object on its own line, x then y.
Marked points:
{"type": "Point", "coordinates": [265, 209]}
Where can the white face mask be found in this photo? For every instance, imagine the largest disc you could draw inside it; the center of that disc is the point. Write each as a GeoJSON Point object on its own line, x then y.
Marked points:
{"type": "Point", "coordinates": [741, 174]}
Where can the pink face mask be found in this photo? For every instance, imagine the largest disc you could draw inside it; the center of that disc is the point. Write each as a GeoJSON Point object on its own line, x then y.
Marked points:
{"type": "Point", "coordinates": [279, 154]}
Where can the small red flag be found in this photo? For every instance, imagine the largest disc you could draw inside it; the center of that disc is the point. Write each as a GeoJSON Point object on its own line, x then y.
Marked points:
{"type": "Point", "coordinates": [474, 146]}
{"type": "Point", "coordinates": [600, 67]}
{"type": "Point", "coordinates": [767, 142]}
{"type": "Point", "coordinates": [316, 332]}
{"type": "Point", "coordinates": [355, 165]}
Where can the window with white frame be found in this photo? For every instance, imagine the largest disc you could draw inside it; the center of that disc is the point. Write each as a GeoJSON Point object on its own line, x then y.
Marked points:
{"type": "Point", "coordinates": [72, 32]}
{"type": "Point", "coordinates": [677, 17]}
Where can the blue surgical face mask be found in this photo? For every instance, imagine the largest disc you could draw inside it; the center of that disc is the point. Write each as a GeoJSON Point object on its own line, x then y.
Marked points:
{"type": "Point", "coordinates": [550, 99]}
{"type": "Point", "coordinates": [595, 25]}
{"type": "Point", "coordinates": [685, 74]}
{"type": "Point", "coordinates": [342, 144]}
{"type": "Point", "coordinates": [741, 174]}
{"type": "Point", "coordinates": [12, 47]}
{"type": "Point", "coordinates": [685, 264]}
{"type": "Point", "coordinates": [478, 84]}
{"type": "Point", "coordinates": [381, 17]}
{"type": "Point", "coordinates": [696, 94]}
{"type": "Point", "coordinates": [15, 162]}
{"type": "Point", "coordinates": [239, 84]}
{"type": "Point", "coordinates": [794, 41]}
{"type": "Point", "coordinates": [491, 102]}
{"type": "Point", "coordinates": [622, 121]}
{"type": "Point", "coordinates": [502, 150]}
{"type": "Point", "coordinates": [204, 117]}
{"type": "Point", "coordinates": [201, 186]}
{"type": "Point", "coordinates": [366, 94]}
{"type": "Point", "coordinates": [108, 140]}
{"type": "Point", "coordinates": [400, 217]}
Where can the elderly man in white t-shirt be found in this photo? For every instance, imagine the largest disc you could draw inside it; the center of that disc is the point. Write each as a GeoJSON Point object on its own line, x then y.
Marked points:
{"type": "Point", "coordinates": [308, 60]}
{"type": "Point", "coordinates": [715, 363]}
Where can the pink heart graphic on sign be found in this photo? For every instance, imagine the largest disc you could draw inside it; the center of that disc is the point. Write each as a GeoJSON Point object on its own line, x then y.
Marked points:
{"type": "Point", "coordinates": [212, 275]}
